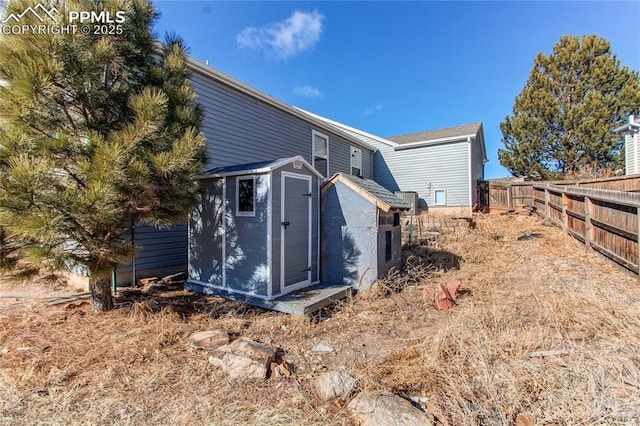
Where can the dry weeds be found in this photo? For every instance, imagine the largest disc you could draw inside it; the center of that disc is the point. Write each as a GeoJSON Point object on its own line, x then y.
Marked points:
{"type": "Point", "coordinates": [67, 365]}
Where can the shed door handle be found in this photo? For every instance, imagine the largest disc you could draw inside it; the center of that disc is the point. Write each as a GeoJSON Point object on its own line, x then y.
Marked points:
{"type": "Point", "coordinates": [285, 224]}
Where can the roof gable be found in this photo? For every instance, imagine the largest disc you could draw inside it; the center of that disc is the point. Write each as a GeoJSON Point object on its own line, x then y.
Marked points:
{"type": "Point", "coordinates": [370, 190]}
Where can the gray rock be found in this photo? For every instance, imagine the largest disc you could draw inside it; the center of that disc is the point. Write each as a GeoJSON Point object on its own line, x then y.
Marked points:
{"type": "Point", "coordinates": [391, 410]}
{"type": "Point", "coordinates": [333, 384]}
{"type": "Point", "coordinates": [242, 358]}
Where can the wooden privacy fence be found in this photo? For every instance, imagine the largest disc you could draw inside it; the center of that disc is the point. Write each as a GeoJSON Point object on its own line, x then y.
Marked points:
{"type": "Point", "coordinates": [606, 222]}
{"type": "Point", "coordinates": [508, 195]}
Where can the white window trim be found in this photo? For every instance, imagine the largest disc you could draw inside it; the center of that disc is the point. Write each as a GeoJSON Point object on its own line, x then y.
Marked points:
{"type": "Point", "coordinates": [315, 133]}
{"type": "Point", "coordinates": [243, 213]}
{"type": "Point", "coordinates": [445, 197]}
{"type": "Point", "coordinates": [351, 165]}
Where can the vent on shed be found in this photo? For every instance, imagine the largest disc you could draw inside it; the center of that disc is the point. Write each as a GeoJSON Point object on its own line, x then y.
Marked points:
{"type": "Point", "coordinates": [410, 197]}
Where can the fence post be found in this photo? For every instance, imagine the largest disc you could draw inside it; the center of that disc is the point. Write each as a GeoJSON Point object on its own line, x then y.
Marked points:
{"type": "Point", "coordinates": [638, 240]}
{"type": "Point", "coordinates": [546, 203]}
{"type": "Point", "coordinates": [588, 229]}
{"type": "Point", "coordinates": [565, 216]}
{"type": "Point", "coordinates": [508, 196]}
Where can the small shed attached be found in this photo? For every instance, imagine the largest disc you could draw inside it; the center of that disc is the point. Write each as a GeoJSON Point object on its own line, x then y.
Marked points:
{"type": "Point", "coordinates": [361, 237]}
{"type": "Point", "coordinates": [255, 231]}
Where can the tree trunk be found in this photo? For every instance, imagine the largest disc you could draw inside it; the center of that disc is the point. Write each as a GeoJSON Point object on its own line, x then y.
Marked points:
{"type": "Point", "coordinates": [101, 297]}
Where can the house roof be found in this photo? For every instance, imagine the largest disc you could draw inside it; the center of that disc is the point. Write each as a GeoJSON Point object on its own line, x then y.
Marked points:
{"type": "Point", "coordinates": [259, 167]}
{"type": "Point", "coordinates": [461, 131]}
{"type": "Point", "coordinates": [212, 73]}
{"type": "Point", "coordinates": [370, 190]}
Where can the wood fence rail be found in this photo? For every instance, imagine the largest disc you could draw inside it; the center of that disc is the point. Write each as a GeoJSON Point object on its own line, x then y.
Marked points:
{"type": "Point", "coordinates": [606, 222]}
{"type": "Point", "coordinates": [509, 195]}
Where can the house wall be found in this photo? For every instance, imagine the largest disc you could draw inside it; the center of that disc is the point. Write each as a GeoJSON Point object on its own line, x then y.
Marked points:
{"type": "Point", "coordinates": [349, 238]}
{"type": "Point", "coordinates": [425, 169]}
{"type": "Point", "coordinates": [241, 129]}
{"type": "Point", "coordinates": [161, 252]}
{"type": "Point", "coordinates": [632, 153]}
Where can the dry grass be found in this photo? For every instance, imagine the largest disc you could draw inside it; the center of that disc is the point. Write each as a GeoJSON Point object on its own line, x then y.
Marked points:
{"type": "Point", "coordinates": [65, 364]}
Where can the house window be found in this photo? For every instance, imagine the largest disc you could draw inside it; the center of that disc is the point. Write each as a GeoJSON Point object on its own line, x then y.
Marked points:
{"type": "Point", "coordinates": [387, 245]}
{"type": "Point", "coordinates": [321, 153]}
{"type": "Point", "coordinates": [396, 219]}
{"type": "Point", "coordinates": [356, 161]}
{"type": "Point", "coordinates": [245, 196]}
{"type": "Point", "coordinates": [440, 197]}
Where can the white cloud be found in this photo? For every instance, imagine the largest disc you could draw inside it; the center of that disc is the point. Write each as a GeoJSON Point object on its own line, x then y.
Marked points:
{"type": "Point", "coordinates": [376, 108]}
{"type": "Point", "coordinates": [299, 32]}
{"type": "Point", "coordinates": [307, 91]}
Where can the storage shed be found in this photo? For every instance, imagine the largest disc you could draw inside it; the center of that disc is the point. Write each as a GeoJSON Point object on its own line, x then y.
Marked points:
{"type": "Point", "coordinates": [361, 238]}
{"type": "Point", "coordinates": [255, 229]}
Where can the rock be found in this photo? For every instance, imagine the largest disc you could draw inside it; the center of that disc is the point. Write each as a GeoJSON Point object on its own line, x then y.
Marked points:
{"type": "Point", "coordinates": [371, 410]}
{"type": "Point", "coordinates": [242, 358]}
{"type": "Point", "coordinates": [322, 348]}
{"type": "Point", "coordinates": [209, 340]}
{"type": "Point", "coordinates": [525, 420]}
{"type": "Point", "coordinates": [333, 384]}
{"type": "Point", "coordinates": [446, 295]}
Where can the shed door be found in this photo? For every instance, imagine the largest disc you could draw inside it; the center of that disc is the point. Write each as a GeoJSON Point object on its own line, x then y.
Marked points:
{"type": "Point", "coordinates": [295, 231]}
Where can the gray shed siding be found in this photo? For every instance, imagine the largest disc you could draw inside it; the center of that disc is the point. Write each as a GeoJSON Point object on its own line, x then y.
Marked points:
{"type": "Point", "coordinates": [241, 129]}
{"type": "Point", "coordinates": [424, 170]}
{"type": "Point", "coordinates": [353, 238]}
{"type": "Point", "coordinates": [206, 234]}
{"type": "Point", "coordinates": [246, 265]}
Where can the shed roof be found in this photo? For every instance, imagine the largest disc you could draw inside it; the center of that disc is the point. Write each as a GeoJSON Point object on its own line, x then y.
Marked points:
{"type": "Point", "coordinates": [259, 167]}
{"type": "Point", "coordinates": [370, 190]}
{"type": "Point", "coordinates": [444, 133]}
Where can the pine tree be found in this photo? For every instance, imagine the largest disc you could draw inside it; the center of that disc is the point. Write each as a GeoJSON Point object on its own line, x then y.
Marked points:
{"type": "Point", "coordinates": [96, 131]}
{"type": "Point", "coordinates": [562, 120]}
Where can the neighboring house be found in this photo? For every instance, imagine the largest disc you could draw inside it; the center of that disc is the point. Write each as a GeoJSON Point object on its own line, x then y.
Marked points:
{"type": "Point", "coordinates": [443, 166]}
{"type": "Point", "coordinates": [361, 237]}
{"type": "Point", "coordinates": [631, 131]}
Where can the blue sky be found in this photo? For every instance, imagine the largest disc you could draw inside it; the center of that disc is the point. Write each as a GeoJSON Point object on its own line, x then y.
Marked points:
{"type": "Point", "coordinates": [391, 68]}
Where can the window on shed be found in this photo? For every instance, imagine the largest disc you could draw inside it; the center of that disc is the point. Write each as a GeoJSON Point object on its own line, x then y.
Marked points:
{"type": "Point", "coordinates": [245, 196]}
{"type": "Point", "coordinates": [356, 161]}
{"type": "Point", "coordinates": [387, 245]}
{"type": "Point", "coordinates": [321, 153]}
{"type": "Point", "coordinates": [440, 197]}
{"type": "Point", "coordinates": [396, 219]}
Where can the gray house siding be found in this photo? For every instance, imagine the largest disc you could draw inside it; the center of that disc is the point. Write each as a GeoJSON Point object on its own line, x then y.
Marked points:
{"type": "Point", "coordinates": [241, 129]}
{"type": "Point", "coordinates": [425, 170]}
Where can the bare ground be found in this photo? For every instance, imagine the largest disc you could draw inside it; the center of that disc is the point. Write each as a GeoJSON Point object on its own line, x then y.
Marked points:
{"type": "Point", "coordinates": [67, 365]}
